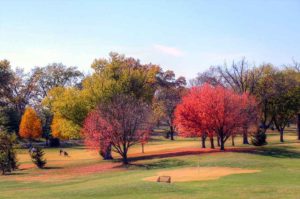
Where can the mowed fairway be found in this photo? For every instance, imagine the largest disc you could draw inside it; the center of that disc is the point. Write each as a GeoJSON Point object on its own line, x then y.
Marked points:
{"type": "Point", "coordinates": [85, 175]}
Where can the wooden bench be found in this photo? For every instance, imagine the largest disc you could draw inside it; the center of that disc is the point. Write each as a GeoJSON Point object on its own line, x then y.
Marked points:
{"type": "Point", "coordinates": [166, 179]}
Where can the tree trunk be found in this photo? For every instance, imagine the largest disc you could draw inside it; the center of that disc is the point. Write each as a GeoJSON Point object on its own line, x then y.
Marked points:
{"type": "Point", "coordinates": [245, 136]}
{"type": "Point", "coordinates": [232, 141]}
{"type": "Point", "coordinates": [212, 144]}
{"type": "Point", "coordinates": [172, 132]}
{"type": "Point", "coordinates": [218, 141]}
{"type": "Point", "coordinates": [221, 138]}
{"type": "Point", "coordinates": [168, 135]}
{"type": "Point", "coordinates": [106, 153]}
{"type": "Point", "coordinates": [124, 158]}
{"type": "Point", "coordinates": [203, 138]}
{"type": "Point", "coordinates": [222, 145]}
{"type": "Point", "coordinates": [281, 135]}
{"type": "Point", "coordinates": [298, 125]}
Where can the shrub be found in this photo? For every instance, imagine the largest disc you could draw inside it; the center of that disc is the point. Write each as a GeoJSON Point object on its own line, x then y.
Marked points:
{"type": "Point", "coordinates": [8, 160]}
{"type": "Point", "coordinates": [37, 158]}
{"type": "Point", "coordinates": [259, 138]}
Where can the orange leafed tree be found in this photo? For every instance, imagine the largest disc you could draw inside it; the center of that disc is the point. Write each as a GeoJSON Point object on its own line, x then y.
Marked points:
{"type": "Point", "coordinates": [31, 125]}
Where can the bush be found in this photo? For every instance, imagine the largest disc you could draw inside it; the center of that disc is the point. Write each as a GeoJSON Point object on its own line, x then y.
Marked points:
{"type": "Point", "coordinates": [8, 160]}
{"type": "Point", "coordinates": [259, 138]}
{"type": "Point", "coordinates": [37, 158]}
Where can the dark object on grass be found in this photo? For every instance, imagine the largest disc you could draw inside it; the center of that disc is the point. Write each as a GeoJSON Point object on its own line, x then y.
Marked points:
{"type": "Point", "coordinates": [37, 157]}
{"type": "Point", "coordinates": [54, 142]}
{"type": "Point", "coordinates": [66, 154]}
{"type": "Point", "coordinates": [259, 138]}
{"type": "Point", "coordinates": [166, 179]}
{"type": "Point", "coordinates": [61, 151]}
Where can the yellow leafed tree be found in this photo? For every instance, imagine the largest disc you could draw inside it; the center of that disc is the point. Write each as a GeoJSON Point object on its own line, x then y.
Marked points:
{"type": "Point", "coordinates": [64, 129]}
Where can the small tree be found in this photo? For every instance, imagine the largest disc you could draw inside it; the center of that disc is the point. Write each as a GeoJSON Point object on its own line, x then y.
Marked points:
{"type": "Point", "coordinates": [8, 160]}
{"type": "Point", "coordinates": [31, 125]}
{"type": "Point", "coordinates": [37, 157]}
{"type": "Point", "coordinates": [259, 138]}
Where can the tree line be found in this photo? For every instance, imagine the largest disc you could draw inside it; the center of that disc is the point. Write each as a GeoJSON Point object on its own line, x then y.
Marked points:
{"type": "Point", "coordinates": [119, 104]}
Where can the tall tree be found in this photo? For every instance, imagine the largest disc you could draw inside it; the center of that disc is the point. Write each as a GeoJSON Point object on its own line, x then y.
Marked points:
{"type": "Point", "coordinates": [285, 102]}
{"type": "Point", "coordinates": [49, 77]}
{"type": "Point", "coordinates": [17, 91]}
{"type": "Point", "coordinates": [264, 93]}
{"type": "Point", "coordinates": [167, 96]}
{"type": "Point", "coordinates": [113, 76]}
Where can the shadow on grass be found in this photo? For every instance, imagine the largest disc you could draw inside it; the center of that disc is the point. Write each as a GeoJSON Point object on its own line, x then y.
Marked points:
{"type": "Point", "coordinates": [52, 168]}
{"type": "Point", "coordinates": [160, 164]}
{"type": "Point", "coordinates": [275, 152]}
{"type": "Point", "coordinates": [187, 152]}
{"type": "Point", "coordinates": [14, 174]}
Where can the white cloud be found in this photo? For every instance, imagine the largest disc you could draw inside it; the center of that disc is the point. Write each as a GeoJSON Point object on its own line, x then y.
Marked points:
{"type": "Point", "coordinates": [168, 50]}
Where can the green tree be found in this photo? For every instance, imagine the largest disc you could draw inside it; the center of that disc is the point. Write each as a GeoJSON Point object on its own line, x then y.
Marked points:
{"type": "Point", "coordinates": [285, 103]}
{"type": "Point", "coordinates": [264, 93]}
{"type": "Point", "coordinates": [166, 98]}
{"type": "Point", "coordinates": [8, 160]}
{"type": "Point", "coordinates": [37, 157]}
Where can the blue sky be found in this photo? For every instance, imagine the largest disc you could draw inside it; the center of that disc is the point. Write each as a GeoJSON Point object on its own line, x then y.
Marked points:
{"type": "Point", "coordinates": [185, 36]}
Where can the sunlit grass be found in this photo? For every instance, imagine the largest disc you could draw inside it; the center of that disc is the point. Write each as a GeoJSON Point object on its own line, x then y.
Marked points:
{"type": "Point", "coordinates": [278, 163]}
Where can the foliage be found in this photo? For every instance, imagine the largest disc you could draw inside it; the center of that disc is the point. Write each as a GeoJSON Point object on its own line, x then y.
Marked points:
{"type": "Point", "coordinates": [120, 75]}
{"type": "Point", "coordinates": [122, 123]}
{"type": "Point", "coordinates": [166, 98]}
{"type": "Point", "coordinates": [56, 75]}
{"type": "Point", "coordinates": [114, 76]}
{"type": "Point", "coordinates": [37, 156]}
{"type": "Point", "coordinates": [31, 126]}
{"type": "Point", "coordinates": [9, 119]}
{"type": "Point", "coordinates": [259, 138]}
{"type": "Point", "coordinates": [64, 129]}
{"type": "Point", "coordinates": [285, 103]}
{"type": "Point", "coordinates": [8, 159]}
{"type": "Point", "coordinates": [212, 110]}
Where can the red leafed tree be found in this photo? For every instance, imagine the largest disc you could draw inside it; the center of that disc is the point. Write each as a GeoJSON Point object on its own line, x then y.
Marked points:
{"type": "Point", "coordinates": [213, 110]}
{"type": "Point", "coordinates": [93, 127]}
{"type": "Point", "coordinates": [188, 116]}
{"type": "Point", "coordinates": [121, 123]}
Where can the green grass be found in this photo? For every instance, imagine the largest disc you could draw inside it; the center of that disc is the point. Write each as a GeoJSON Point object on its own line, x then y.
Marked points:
{"type": "Point", "coordinates": [279, 176]}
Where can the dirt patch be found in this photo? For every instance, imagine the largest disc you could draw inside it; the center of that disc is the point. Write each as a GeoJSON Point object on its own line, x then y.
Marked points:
{"type": "Point", "coordinates": [199, 174]}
